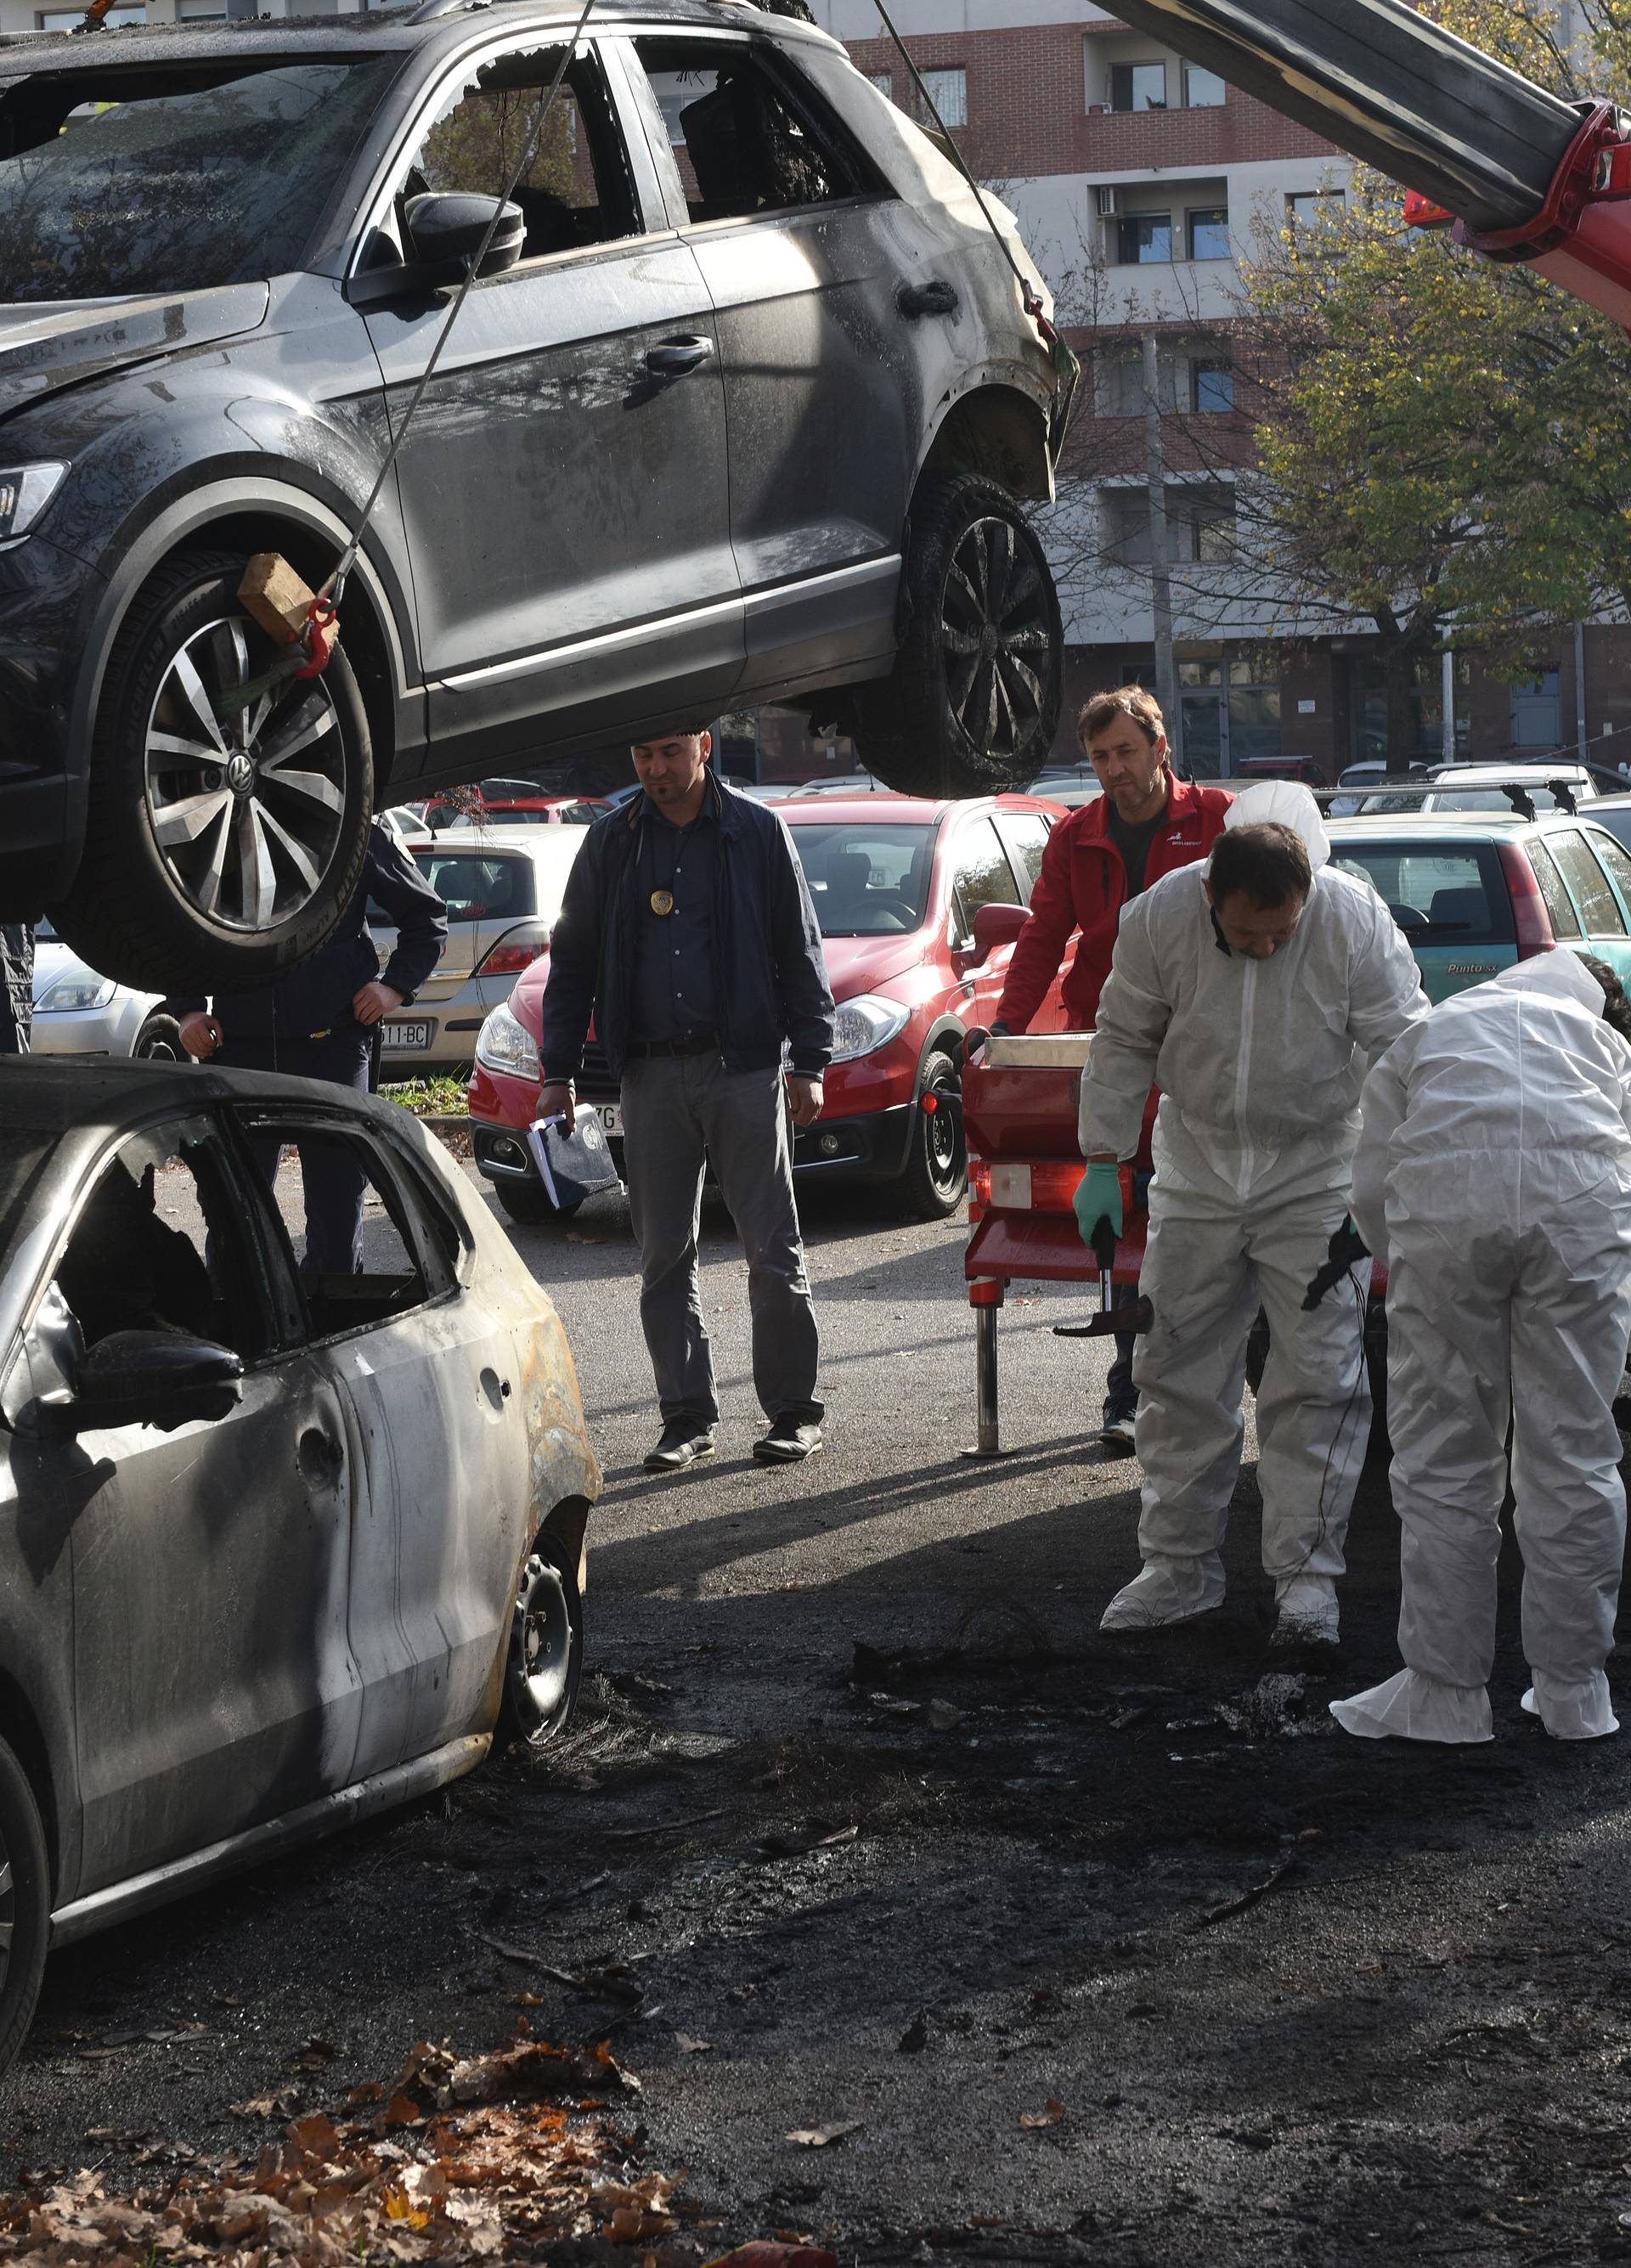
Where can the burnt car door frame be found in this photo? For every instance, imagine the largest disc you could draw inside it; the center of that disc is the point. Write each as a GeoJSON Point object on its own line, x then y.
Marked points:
{"type": "Point", "coordinates": [546, 604]}
{"type": "Point", "coordinates": [443, 1487]}
{"type": "Point", "coordinates": [830, 385]}
{"type": "Point", "coordinates": [213, 1685]}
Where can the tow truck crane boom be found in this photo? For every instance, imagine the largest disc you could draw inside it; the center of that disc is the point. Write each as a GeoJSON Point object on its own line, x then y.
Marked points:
{"type": "Point", "coordinates": [1524, 175]}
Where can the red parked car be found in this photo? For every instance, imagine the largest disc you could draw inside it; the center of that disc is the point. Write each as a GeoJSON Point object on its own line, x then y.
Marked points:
{"type": "Point", "coordinates": [514, 803]}
{"type": "Point", "coordinates": [919, 903]}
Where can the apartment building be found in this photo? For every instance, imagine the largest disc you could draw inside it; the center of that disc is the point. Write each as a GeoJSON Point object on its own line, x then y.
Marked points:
{"type": "Point", "coordinates": [1140, 181]}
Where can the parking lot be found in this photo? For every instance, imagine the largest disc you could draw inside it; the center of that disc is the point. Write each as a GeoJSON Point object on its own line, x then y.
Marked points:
{"type": "Point", "coordinates": [1100, 1950]}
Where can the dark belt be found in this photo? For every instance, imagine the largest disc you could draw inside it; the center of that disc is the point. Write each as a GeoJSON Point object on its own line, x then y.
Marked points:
{"type": "Point", "coordinates": [694, 1044]}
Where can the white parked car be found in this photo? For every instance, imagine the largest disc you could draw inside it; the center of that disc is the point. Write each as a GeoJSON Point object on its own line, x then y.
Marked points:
{"type": "Point", "coordinates": [79, 1012]}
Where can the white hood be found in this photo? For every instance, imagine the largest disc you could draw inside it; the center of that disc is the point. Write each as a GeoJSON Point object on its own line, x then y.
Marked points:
{"type": "Point", "coordinates": [1284, 803]}
{"type": "Point", "coordinates": [1558, 975]}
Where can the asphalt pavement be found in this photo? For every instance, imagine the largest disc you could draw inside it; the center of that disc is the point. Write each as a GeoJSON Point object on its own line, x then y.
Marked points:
{"type": "Point", "coordinates": [1060, 1947]}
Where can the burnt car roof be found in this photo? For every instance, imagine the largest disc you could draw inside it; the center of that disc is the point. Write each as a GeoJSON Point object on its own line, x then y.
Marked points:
{"type": "Point", "coordinates": [391, 28]}
{"type": "Point", "coordinates": [58, 1095]}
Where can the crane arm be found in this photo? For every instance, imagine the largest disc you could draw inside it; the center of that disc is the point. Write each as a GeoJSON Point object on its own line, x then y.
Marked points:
{"type": "Point", "coordinates": [1525, 176]}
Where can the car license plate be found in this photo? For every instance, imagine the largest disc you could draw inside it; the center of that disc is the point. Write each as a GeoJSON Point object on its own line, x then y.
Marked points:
{"type": "Point", "coordinates": [408, 1036]}
{"type": "Point", "coordinates": [611, 1115]}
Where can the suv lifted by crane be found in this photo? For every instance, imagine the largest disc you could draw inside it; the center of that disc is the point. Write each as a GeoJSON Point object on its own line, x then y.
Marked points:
{"type": "Point", "coordinates": [745, 402]}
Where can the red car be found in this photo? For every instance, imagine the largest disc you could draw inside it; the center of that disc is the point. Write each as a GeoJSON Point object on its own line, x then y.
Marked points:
{"type": "Point", "coordinates": [515, 803]}
{"type": "Point", "coordinates": [919, 903]}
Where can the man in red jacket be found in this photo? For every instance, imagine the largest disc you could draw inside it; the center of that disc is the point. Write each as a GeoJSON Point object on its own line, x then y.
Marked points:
{"type": "Point", "coordinates": [1146, 823]}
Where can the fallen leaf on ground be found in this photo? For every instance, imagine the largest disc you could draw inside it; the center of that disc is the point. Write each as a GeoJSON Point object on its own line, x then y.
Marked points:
{"type": "Point", "coordinates": [689, 2046]}
{"type": "Point", "coordinates": [491, 2173]}
{"type": "Point", "coordinates": [1050, 2115]}
{"type": "Point", "coordinates": [821, 2138]}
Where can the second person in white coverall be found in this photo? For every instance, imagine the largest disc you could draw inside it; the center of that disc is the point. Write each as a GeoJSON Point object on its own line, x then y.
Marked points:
{"type": "Point", "coordinates": [1251, 991]}
{"type": "Point", "coordinates": [1495, 1173]}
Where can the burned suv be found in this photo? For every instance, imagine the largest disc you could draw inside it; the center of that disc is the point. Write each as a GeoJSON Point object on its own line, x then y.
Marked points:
{"type": "Point", "coordinates": [743, 406]}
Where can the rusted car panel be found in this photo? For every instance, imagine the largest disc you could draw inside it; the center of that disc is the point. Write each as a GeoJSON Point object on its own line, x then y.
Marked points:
{"type": "Point", "coordinates": [245, 1630]}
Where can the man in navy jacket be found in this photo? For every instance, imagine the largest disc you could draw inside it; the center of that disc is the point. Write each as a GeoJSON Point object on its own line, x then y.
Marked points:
{"type": "Point", "coordinates": [318, 1022]}
{"type": "Point", "coordinates": [688, 934]}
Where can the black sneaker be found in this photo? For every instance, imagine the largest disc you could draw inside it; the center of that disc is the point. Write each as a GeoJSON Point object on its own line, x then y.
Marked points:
{"type": "Point", "coordinates": [682, 1444]}
{"type": "Point", "coordinates": [1116, 1435]}
{"type": "Point", "coordinates": [789, 1442]}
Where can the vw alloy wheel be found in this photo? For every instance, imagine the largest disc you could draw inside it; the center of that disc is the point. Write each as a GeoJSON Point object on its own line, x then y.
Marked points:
{"type": "Point", "coordinates": [247, 800]}
{"type": "Point", "coordinates": [995, 632]}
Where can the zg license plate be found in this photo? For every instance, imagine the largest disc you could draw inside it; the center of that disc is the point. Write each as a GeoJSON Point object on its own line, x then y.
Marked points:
{"type": "Point", "coordinates": [611, 1115]}
{"type": "Point", "coordinates": [408, 1036]}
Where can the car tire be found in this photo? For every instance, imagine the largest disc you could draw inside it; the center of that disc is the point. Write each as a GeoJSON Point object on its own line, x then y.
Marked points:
{"type": "Point", "coordinates": [543, 1658]}
{"type": "Point", "coordinates": [963, 712]}
{"type": "Point", "coordinates": [185, 884]}
{"type": "Point", "coordinates": [936, 1178]}
{"type": "Point", "coordinates": [528, 1205]}
{"type": "Point", "coordinates": [25, 1905]}
{"type": "Point", "coordinates": [160, 1040]}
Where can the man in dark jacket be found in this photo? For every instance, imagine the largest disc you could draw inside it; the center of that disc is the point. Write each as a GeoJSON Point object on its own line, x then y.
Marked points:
{"type": "Point", "coordinates": [320, 1022]}
{"type": "Point", "coordinates": [17, 987]}
{"type": "Point", "coordinates": [1146, 824]}
{"type": "Point", "coordinates": [688, 935]}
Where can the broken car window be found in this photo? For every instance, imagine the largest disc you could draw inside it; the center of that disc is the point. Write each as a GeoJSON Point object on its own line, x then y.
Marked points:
{"type": "Point", "coordinates": [344, 1220]}
{"type": "Point", "coordinates": [742, 145]}
{"type": "Point", "coordinates": [127, 181]}
{"type": "Point", "coordinates": [576, 191]}
{"type": "Point", "coordinates": [161, 1244]}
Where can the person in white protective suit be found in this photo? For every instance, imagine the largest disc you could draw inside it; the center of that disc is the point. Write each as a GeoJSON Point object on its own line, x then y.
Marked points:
{"type": "Point", "coordinates": [1251, 991]}
{"type": "Point", "coordinates": [1493, 1171]}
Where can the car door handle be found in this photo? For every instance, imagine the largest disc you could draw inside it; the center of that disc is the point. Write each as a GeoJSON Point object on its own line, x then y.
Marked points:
{"type": "Point", "coordinates": [934, 298]}
{"type": "Point", "coordinates": [675, 357]}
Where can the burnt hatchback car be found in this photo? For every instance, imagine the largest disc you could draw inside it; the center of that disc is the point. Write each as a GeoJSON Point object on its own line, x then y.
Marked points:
{"type": "Point", "coordinates": [279, 1547]}
{"type": "Point", "coordinates": [745, 405]}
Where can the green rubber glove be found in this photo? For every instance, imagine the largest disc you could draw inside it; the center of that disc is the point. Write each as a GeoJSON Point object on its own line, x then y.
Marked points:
{"type": "Point", "coordinates": [1099, 1194]}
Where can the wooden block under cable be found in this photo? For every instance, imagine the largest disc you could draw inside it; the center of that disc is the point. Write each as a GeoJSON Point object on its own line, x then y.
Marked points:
{"type": "Point", "coordinates": [276, 596]}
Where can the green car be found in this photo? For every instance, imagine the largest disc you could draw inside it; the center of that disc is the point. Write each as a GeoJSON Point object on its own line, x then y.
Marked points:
{"type": "Point", "coordinates": [1473, 892]}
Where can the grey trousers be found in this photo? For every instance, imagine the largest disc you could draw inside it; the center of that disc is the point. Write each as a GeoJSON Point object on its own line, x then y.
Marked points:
{"type": "Point", "coordinates": [675, 1108]}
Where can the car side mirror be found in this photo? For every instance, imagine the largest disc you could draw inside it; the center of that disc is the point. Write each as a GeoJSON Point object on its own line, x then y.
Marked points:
{"type": "Point", "coordinates": [996, 926]}
{"type": "Point", "coordinates": [444, 228]}
{"type": "Point", "coordinates": [146, 1378]}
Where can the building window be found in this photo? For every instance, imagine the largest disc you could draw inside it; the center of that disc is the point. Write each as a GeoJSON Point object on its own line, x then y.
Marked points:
{"type": "Point", "coordinates": [1137, 86]}
{"type": "Point", "coordinates": [1126, 526]}
{"type": "Point", "coordinates": [1121, 382]}
{"type": "Point", "coordinates": [1211, 386]}
{"type": "Point", "coordinates": [884, 81]}
{"type": "Point", "coordinates": [1208, 233]}
{"type": "Point", "coordinates": [1143, 240]}
{"type": "Point", "coordinates": [1305, 205]}
{"type": "Point", "coordinates": [1253, 712]}
{"type": "Point", "coordinates": [1201, 526]}
{"type": "Point", "coordinates": [1203, 90]}
{"type": "Point", "coordinates": [1536, 711]}
{"type": "Point", "coordinates": [949, 91]}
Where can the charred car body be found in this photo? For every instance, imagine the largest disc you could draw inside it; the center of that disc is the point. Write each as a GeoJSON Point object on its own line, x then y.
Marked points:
{"type": "Point", "coordinates": [277, 1549]}
{"type": "Point", "coordinates": [745, 405]}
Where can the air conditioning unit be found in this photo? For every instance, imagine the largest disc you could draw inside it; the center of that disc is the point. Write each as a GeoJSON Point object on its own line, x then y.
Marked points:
{"type": "Point", "coordinates": [1106, 199]}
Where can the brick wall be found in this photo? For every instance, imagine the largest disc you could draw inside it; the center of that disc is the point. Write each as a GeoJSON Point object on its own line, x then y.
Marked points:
{"type": "Point", "coordinates": [1028, 110]}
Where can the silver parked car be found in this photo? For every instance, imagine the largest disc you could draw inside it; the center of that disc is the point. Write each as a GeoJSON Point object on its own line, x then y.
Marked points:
{"type": "Point", "coordinates": [79, 1012]}
{"type": "Point", "coordinates": [277, 1549]}
{"type": "Point", "coordinates": [503, 889]}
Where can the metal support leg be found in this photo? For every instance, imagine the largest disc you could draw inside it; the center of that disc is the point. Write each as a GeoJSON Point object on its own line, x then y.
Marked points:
{"type": "Point", "coordinates": [989, 1443]}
